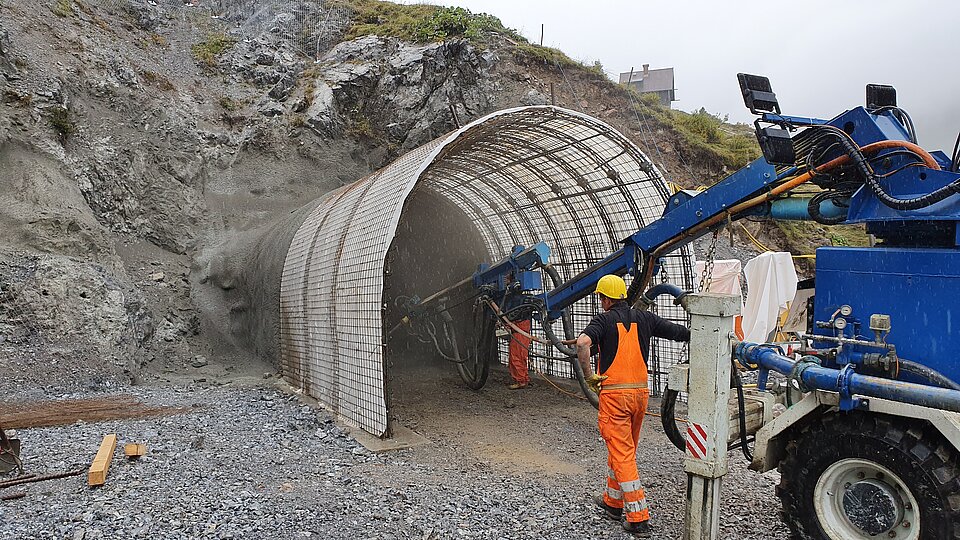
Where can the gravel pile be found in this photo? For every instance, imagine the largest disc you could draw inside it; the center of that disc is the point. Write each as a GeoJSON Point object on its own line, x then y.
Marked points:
{"type": "Point", "coordinates": [255, 462]}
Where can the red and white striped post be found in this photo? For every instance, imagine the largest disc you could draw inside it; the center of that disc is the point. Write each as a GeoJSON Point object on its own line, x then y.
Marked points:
{"type": "Point", "coordinates": [711, 332]}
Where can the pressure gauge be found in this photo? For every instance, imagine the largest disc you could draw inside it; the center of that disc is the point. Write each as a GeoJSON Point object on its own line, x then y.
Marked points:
{"type": "Point", "coordinates": [845, 310]}
{"type": "Point", "coordinates": [840, 323]}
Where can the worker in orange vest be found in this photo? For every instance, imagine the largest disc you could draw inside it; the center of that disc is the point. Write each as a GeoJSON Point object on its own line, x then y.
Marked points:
{"type": "Point", "coordinates": [622, 336]}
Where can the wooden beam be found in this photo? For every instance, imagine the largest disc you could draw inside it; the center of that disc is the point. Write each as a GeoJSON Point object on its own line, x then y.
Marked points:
{"type": "Point", "coordinates": [101, 463]}
{"type": "Point", "coordinates": [754, 417]}
{"type": "Point", "coordinates": [133, 450]}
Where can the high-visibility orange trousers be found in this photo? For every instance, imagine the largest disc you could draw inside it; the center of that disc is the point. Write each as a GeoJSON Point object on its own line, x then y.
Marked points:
{"type": "Point", "coordinates": [620, 419]}
{"type": "Point", "coordinates": [519, 352]}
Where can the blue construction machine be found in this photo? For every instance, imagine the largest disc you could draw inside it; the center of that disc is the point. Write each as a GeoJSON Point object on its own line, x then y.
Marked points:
{"type": "Point", "coordinates": [867, 443]}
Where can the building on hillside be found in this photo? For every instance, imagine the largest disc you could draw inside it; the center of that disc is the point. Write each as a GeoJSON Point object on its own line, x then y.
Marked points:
{"type": "Point", "coordinates": [652, 81]}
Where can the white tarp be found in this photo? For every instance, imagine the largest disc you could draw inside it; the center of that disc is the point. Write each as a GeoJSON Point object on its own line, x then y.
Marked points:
{"type": "Point", "coordinates": [771, 283]}
{"type": "Point", "coordinates": [725, 278]}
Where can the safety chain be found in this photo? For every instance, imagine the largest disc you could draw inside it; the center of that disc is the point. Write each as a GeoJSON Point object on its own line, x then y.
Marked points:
{"type": "Point", "coordinates": [706, 277]}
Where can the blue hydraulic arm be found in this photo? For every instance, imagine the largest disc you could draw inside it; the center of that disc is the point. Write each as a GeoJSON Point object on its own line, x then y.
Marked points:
{"type": "Point", "coordinates": [517, 265]}
{"type": "Point", "coordinates": [678, 226]}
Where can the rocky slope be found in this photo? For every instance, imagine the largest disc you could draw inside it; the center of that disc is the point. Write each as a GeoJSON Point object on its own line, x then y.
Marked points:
{"type": "Point", "coordinates": [145, 146]}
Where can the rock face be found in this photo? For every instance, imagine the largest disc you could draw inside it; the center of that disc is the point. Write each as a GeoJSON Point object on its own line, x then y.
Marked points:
{"type": "Point", "coordinates": [4, 48]}
{"type": "Point", "coordinates": [411, 93]}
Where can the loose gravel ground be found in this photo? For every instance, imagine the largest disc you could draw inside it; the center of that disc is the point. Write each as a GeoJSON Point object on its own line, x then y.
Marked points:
{"type": "Point", "coordinates": [253, 460]}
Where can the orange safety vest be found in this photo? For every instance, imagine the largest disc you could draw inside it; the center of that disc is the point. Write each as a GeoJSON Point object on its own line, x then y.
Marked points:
{"type": "Point", "coordinates": [628, 366]}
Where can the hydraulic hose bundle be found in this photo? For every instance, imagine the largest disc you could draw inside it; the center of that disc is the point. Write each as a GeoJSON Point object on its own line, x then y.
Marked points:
{"type": "Point", "coordinates": [822, 139]}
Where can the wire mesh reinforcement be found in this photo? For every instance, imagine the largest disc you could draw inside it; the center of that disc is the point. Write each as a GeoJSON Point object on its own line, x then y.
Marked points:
{"type": "Point", "coordinates": [521, 176]}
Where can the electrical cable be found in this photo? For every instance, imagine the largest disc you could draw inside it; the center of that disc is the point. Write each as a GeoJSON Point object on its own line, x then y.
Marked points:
{"type": "Point", "coordinates": [741, 403]}
{"type": "Point", "coordinates": [759, 245]}
{"type": "Point", "coordinates": [837, 198]}
{"type": "Point", "coordinates": [668, 405]}
{"type": "Point", "coordinates": [955, 159]}
{"type": "Point", "coordinates": [775, 191]}
{"type": "Point", "coordinates": [902, 116]}
{"type": "Point", "coordinates": [857, 155]}
{"type": "Point", "coordinates": [561, 390]}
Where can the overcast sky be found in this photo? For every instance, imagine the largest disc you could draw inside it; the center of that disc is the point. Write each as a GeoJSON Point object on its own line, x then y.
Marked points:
{"type": "Point", "coordinates": [819, 55]}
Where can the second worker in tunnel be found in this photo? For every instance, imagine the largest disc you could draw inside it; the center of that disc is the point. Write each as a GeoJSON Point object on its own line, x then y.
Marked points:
{"type": "Point", "coordinates": [622, 335]}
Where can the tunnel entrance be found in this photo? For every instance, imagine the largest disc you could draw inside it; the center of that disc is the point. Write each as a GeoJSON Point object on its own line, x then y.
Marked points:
{"type": "Point", "coordinates": [515, 177]}
{"type": "Point", "coordinates": [436, 246]}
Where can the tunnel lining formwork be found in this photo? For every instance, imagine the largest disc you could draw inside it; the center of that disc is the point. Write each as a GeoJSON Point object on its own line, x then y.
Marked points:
{"type": "Point", "coordinates": [522, 176]}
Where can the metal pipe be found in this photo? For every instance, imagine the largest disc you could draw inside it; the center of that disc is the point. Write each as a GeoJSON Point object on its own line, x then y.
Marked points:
{"type": "Point", "coordinates": [32, 479]}
{"type": "Point", "coordinates": [796, 209]}
{"type": "Point", "coordinates": [648, 298]}
{"type": "Point", "coordinates": [818, 377]}
{"type": "Point", "coordinates": [849, 341]}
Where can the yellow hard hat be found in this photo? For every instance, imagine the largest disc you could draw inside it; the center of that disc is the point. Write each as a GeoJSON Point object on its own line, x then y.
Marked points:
{"type": "Point", "coordinates": [612, 287]}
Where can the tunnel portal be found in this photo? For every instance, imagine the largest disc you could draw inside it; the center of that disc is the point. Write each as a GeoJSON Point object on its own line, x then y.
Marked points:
{"type": "Point", "coordinates": [514, 177]}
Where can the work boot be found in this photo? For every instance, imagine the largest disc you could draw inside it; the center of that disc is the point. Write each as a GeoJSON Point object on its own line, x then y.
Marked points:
{"type": "Point", "coordinates": [640, 529]}
{"type": "Point", "coordinates": [611, 512]}
{"type": "Point", "coordinates": [517, 386]}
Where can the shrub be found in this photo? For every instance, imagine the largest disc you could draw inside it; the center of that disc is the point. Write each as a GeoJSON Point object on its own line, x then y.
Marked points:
{"type": "Point", "coordinates": [62, 121]}
{"type": "Point", "coordinates": [419, 22]}
{"type": "Point", "coordinates": [450, 22]}
{"type": "Point", "coordinates": [702, 124]}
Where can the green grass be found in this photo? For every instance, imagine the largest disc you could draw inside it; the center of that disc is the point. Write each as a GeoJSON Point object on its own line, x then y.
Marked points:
{"type": "Point", "coordinates": [526, 51]}
{"type": "Point", "coordinates": [704, 133]}
{"type": "Point", "coordinates": [63, 8]}
{"type": "Point", "coordinates": [208, 50]}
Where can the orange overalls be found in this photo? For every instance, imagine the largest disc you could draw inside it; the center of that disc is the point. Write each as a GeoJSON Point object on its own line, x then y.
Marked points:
{"type": "Point", "coordinates": [519, 353]}
{"type": "Point", "coordinates": [623, 402]}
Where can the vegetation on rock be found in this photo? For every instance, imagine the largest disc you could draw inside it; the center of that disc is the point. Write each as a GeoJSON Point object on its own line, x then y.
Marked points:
{"type": "Point", "coordinates": [62, 122]}
{"type": "Point", "coordinates": [63, 8]}
{"type": "Point", "coordinates": [208, 50]}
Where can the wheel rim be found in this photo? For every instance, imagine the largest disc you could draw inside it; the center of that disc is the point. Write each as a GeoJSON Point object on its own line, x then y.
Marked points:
{"type": "Point", "coordinates": [857, 498]}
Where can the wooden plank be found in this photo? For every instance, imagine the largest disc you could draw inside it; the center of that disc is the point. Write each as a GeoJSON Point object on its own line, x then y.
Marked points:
{"type": "Point", "coordinates": [97, 475]}
{"type": "Point", "coordinates": [754, 417]}
{"type": "Point", "coordinates": [134, 450]}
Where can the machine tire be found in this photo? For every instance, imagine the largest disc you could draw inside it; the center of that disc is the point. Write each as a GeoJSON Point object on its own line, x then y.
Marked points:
{"type": "Point", "coordinates": [474, 372]}
{"type": "Point", "coordinates": [920, 458]}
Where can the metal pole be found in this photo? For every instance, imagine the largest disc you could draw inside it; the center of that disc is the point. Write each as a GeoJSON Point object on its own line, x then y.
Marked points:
{"type": "Point", "coordinates": [711, 327]}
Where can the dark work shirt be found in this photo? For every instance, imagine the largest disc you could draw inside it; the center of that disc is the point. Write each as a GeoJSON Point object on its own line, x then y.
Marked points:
{"type": "Point", "coordinates": [602, 331]}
